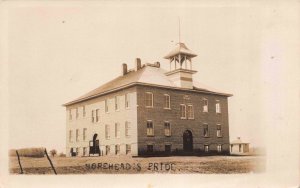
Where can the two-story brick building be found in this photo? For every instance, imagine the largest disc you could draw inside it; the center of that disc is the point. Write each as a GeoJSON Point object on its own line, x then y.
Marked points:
{"type": "Point", "coordinates": [150, 111]}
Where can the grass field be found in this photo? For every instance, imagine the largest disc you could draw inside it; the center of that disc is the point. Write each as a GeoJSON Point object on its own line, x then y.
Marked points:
{"type": "Point", "coordinates": [128, 165]}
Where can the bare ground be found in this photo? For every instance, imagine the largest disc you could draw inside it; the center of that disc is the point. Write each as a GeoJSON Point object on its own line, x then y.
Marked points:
{"type": "Point", "coordinates": [139, 165]}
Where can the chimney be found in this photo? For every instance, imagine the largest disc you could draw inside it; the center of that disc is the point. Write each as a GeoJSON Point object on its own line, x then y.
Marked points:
{"type": "Point", "coordinates": [157, 64]}
{"type": "Point", "coordinates": [138, 64]}
{"type": "Point", "coordinates": [124, 67]}
{"type": "Point", "coordinates": [238, 138]}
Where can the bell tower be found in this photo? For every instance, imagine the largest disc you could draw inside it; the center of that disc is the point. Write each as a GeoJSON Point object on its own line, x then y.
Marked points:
{"type": "Point", "coordinates": [181, 70]}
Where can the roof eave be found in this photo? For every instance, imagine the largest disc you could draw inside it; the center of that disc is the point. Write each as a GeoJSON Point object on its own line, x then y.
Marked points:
{"type": "Point", "coordinates": [140, 83]}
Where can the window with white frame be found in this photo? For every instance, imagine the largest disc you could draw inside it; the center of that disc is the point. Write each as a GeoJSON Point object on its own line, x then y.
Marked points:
{"type": "Point", "coordinates": [127, 100]}
{"type": "Point", "coordinates": [83, 111]}
{"type": "Point", "coordinates": [206, 148]}
{"type": "Point", "coordinates": [117, 149]}
{"type": "Point", "coordinates": [117, 103]}
{"type": "Point", "coordinates": [150, 148]}
{"type": "Point", "coordinates": [183, 111]}
{"type": "Point", "coordinates": [205, 105]}
{"type": "Point", "coordinates": [106, 106]}
{"type": "Point", "coordinates": [127, 128]}
{"type": "Point", "coordinates": [77, 135]}
{"type": "Point", "coordinates": [150, 128]}
{"type": "Point", "coordinates": [70, 135]}
{"type": "Point", "coordinates": [190, 112]}
{"type": "Point", "coordinates": [219, 131]}
{"type": "Point", "coordinates": [93, 116]}
{"type": "Point", "coordinates": [70, 114]}
{"type": "Point", "coordinates": [117, 130]}
{"type": "Point", "coordinates": [97, 115]}
{"type": "Point", "coordinates": [205, 130]}
{"type": "Point", "coordinates": [167, 104]}
{"type": "Point", "coordinates": [218, 107]}
{"type": "Point", "coordinates": [149, 99]}
{"type": "Point", "coordinates": [84, 134]}
{"type": "Point", "coordinates": [107, 149]}
{"type": "Point", "coordinates": [128, 148]}
{"type": "Point", "coordinates": [219, 148]}
{"type": "Point", "coordinates": [77, 114]}
{"type": "Point", "coordinates": [84, 151]}
{"type": "Point", "coordinates": [107, 132]}
{"type": "Point", "coordinates": [167, 128]}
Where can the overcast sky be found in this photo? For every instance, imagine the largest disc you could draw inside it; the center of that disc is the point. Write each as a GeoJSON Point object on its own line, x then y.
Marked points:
{"type": "Point", "coordinates": [57, 53]}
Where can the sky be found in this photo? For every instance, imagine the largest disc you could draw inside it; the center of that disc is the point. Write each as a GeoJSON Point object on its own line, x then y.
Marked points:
{"type": "Point", "coordinates": [59, 52]}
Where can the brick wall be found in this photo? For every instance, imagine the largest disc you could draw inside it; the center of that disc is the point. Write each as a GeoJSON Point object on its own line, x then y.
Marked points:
{"type": "Point", "coordinates": [159, 115]}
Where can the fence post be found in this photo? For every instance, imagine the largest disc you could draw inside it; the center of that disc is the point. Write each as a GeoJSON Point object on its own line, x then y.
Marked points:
{"type": "Point", "coordinates": [19, 162]}
{"type": "Point", "coordinates": [50, 162]}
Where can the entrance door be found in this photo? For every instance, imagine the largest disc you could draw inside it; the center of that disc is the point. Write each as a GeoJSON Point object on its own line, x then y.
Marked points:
{"type": "Point", "coordinates": [187, 141]}
{"type": "Point", "coordinates": [94, 145]}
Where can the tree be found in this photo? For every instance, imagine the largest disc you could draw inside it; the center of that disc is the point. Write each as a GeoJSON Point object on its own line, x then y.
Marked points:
{"type": "Point", "coordinates": [53, 152]}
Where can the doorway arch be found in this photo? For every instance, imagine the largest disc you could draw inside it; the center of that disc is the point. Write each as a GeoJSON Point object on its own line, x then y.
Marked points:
{"type": "Point", "coordinates": [187, 141]}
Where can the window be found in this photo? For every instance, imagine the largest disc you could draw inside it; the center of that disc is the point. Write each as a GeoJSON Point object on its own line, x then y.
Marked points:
{"type": "Point", "coordinates": [70, 114]}
{"type": "Point", "coordinates": [97, 115]}
{"type": "Point", "coordinates": [150, 129]}
{"type": "Point", "coordinates": [77, 151]}
{"type": "Point", "coordinates": [183, 111]}
{"type": "Point", "coordinates": [107, 148]}
{"type": "Point", "coordinates": [93, 118]}
{"type": "Point", "coordinates": [240, 147]}
{"type": "Point", "coordinates": [77, 114]}
{"type": "Point", "coordinates": [168, 148]}
{"type": "Point", "coordinates": [205, 105]}
{"type": "Point", "coordinates": [106, 105]}
{"type": "Point", "coordinates": [127, 100]}
{"type": "Point", "coordinates": [190, 112]}
{"type": "Point", "coordinates": [150, 148]}
{"type": "Point", "coordinates": [107, 130]}
{"type": "Point", "coordinates": [70, 136]}
{"type": "Point", "coordinates": [117, 130]}
{"type": "Point", "coordinates": [77, 135]}
{"type": "Point", "coordinates": [117, 149]}
{"type": "Point", "coordinates": [219, 131]}
{"type": "Point", "coordinates": [84, 151]}
{"type": "Point", "coordinates": [117, 103]}
{"type": "Point", "coordinates": [206, 148]}
{"type": "Point", "coordinates": [127, 128]}
{"type": "Point", "coordinates": [218, 107]}
{"type": "Point", "coordinates": [167, 101]}
{"type": "Point", "coordinates": [167, 129]}
{"type": "Point", "coordinates": [84, 134]}
{"type": "Point", "coordinates": [205, 130]}
{"type": "Point", "coordinates": [128, 148]}
{"type": "Point", "coordinates": [219, 148]}
{"type": "Point", "coordinates": [149, 99]}
{"type": "Point", "coordinates": [83, 111]}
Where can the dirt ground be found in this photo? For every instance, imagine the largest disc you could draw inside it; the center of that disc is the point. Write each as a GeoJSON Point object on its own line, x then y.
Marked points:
{"type": "Point", "coordinates": [129, 165]}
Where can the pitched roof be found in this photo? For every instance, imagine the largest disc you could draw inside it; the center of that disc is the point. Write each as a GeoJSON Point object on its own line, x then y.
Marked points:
{"type": "Point", "coordinates": [180, 49]}
{"type": "Point", "coordinates": [147, 75]}
{"type": "Point", "coordinates": [238, 141]}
